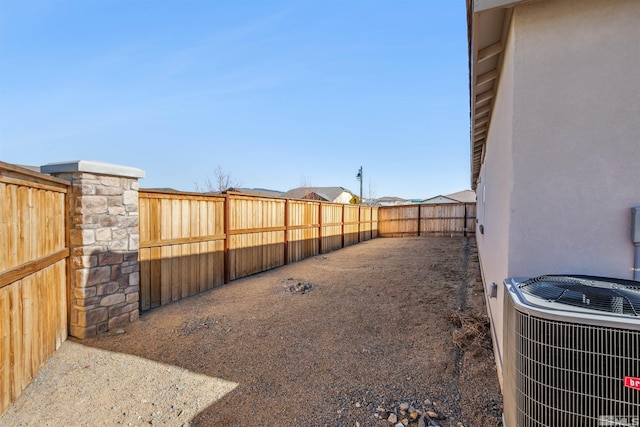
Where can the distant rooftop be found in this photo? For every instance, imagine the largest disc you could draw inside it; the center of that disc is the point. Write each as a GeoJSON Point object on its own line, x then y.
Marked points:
{"type": "Point", "coordinates": [258, 192]}
{"type": "Point", "coordinates": [465, 196]}
{"type": "Point", "coordinates": [326, 193]}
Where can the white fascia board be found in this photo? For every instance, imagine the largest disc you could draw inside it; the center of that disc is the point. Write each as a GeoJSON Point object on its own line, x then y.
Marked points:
{"type": "Point", "coordinates": [480, 5]}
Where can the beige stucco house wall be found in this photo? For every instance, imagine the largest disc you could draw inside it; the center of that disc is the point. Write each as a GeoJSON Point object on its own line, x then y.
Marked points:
{"type": "Point", "coordinates": [555, 138]}
{"type": "Point", "coordinates": [344, 197]}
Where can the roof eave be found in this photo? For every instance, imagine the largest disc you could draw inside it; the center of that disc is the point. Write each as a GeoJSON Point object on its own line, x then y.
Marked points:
{"type": "Point", "coordinates": [487, 23]}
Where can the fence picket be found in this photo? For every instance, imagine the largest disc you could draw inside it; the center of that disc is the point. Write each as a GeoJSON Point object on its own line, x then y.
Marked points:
{"type": "Point", "coordinates": [33, 275]}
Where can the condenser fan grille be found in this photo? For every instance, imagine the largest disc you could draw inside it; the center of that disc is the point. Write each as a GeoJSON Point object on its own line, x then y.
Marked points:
{"type": "Point", "coordinates": [616, 296]}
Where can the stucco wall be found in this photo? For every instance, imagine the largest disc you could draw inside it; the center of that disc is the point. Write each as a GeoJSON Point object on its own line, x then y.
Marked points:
{"type": "Point", "coordinates": [344, 197]}
{"type": "Point", "coordinates": [562, 164]}
{"type": "Point", "coordinates": [576, 137]}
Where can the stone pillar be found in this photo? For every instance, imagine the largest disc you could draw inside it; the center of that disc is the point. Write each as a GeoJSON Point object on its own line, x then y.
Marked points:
{"type": "Point", "coordinates": [104, 240]}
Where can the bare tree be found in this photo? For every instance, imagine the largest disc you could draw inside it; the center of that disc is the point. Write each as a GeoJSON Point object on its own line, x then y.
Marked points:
{"type": "Point", "coordinates": [222, 181]}
{"type": "Point", "coordinates": [370, 196]}
{"type": "Point", "coordinates": [305, 185]}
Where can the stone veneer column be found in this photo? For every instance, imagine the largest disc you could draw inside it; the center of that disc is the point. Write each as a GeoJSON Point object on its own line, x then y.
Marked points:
{"type": "Point", "coordinates": [104, 241]}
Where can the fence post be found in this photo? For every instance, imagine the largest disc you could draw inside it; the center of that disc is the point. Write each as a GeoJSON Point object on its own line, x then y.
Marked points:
{"type": "Point", "coordinates": [227, 238]}
{"type": "Point", "coordinates": [104, 239]}
{"type": "Point", "coordinates": [342, 228]}
{"type": "Point", "coordinates": [320, 227]}
{"type": "Point", "coordinates": [359, 221]}
{"type": "Point", "coordinates": [370, 222]}
{"type": "Point", "coordinates": [286, 231]}
{"type": "Point", "coordinates": [419, 217]}
{"type": "Point", "coordinates": [465, 220]}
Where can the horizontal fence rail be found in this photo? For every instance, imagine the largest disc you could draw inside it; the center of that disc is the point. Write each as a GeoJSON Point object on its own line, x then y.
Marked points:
{"type": "Point", "coordinates": [33, 275]}
{"type": "Point", "coordinates": [192, 242]}
{"type": "Point", "coordinates": [442, 219]}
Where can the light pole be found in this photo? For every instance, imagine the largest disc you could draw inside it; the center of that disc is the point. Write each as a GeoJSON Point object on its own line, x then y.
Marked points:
{"type": "Point", "coordinates": [359, 176]}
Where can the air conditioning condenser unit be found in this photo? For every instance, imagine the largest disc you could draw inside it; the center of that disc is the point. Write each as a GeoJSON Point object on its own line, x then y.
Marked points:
{"type": "Point", "coordinates": [571, 352]}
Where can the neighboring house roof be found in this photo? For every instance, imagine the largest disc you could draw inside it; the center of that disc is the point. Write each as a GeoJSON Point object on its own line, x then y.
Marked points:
{"type": "Point", "coordinates": [439, 199]}
{"type": "Point", "coordinates": [328, 194]}
{"type": "Point", "coordinates": [465, 196]}
{"type": "Point", "coordinates": [390, 201]}
{"type": "Point", "coordinates": [258, 192]}
{"type": "Point", "coordinates": [371, 202]}
{"type": "Point", "coordinates": [486, 20]}
{"type": "Point", "coordinates": [298, 193]}
{"type": "Point", "coordinates": [162, 189]}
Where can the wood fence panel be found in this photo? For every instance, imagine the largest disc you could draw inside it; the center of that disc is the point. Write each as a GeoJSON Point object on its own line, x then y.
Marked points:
{"type": "Point", "coordinates": [374, 222]}
{"type": "Point", "coordinates": [144, 253]}
{"type": "Point", "coordinates": [181, 245]}
{"type": "Point", "coordinates": [31, 226]}
{"type": "Point", "coordinates": [441, 219]}
{"type": "Point", "coordinates": [427, 220]}
{"type": "Point", "coordinates": [5, 349]}
{"type": "Point", "coordinates": [446, 219]}
{"type": "Point", "coordinates": [191, 242]}
{"type": "Point", "coordinates": [256, 234]}
{"type": "Point", "coordinates": [33, 275]}
{"type": "Point", "coordinates": [331, 227]}
{"type": "Point", "coordinates": [366, 223]}
{"type": "Point", "coordinates": [203, 224]}
{"type": "Point", "coordinates": [470, 222]}
{"type": "Point", "coordinates": [351, 216]}
{"type": "Point", "coordinates": [398, 221]}
{"type": "Point", "coordinates": [302, 229]}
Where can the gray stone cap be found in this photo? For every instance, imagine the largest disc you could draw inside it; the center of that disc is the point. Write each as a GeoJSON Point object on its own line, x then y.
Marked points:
{"type": "Point", "coordinates": [92, 166]}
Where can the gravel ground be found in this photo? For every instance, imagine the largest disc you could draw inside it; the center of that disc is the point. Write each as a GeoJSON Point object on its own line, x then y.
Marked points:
{"type": "Point", "coordinates": [341, 339]}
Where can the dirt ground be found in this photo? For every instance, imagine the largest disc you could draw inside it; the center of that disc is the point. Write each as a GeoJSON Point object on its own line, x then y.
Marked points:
{"type": "Point", "coordinates": [340, 339]}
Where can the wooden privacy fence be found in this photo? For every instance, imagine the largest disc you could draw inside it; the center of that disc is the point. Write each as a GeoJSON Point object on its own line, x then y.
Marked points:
{"type": "Point", "coordinates": [427, 220]}
{"type": "Point", "coordinates": [33, 275]}
{"type": "Point", "coordinates": [191, 242]}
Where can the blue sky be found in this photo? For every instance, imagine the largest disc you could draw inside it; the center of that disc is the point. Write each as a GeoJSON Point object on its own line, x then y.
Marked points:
{"type": "Point", "coordinates": [277, 93]}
